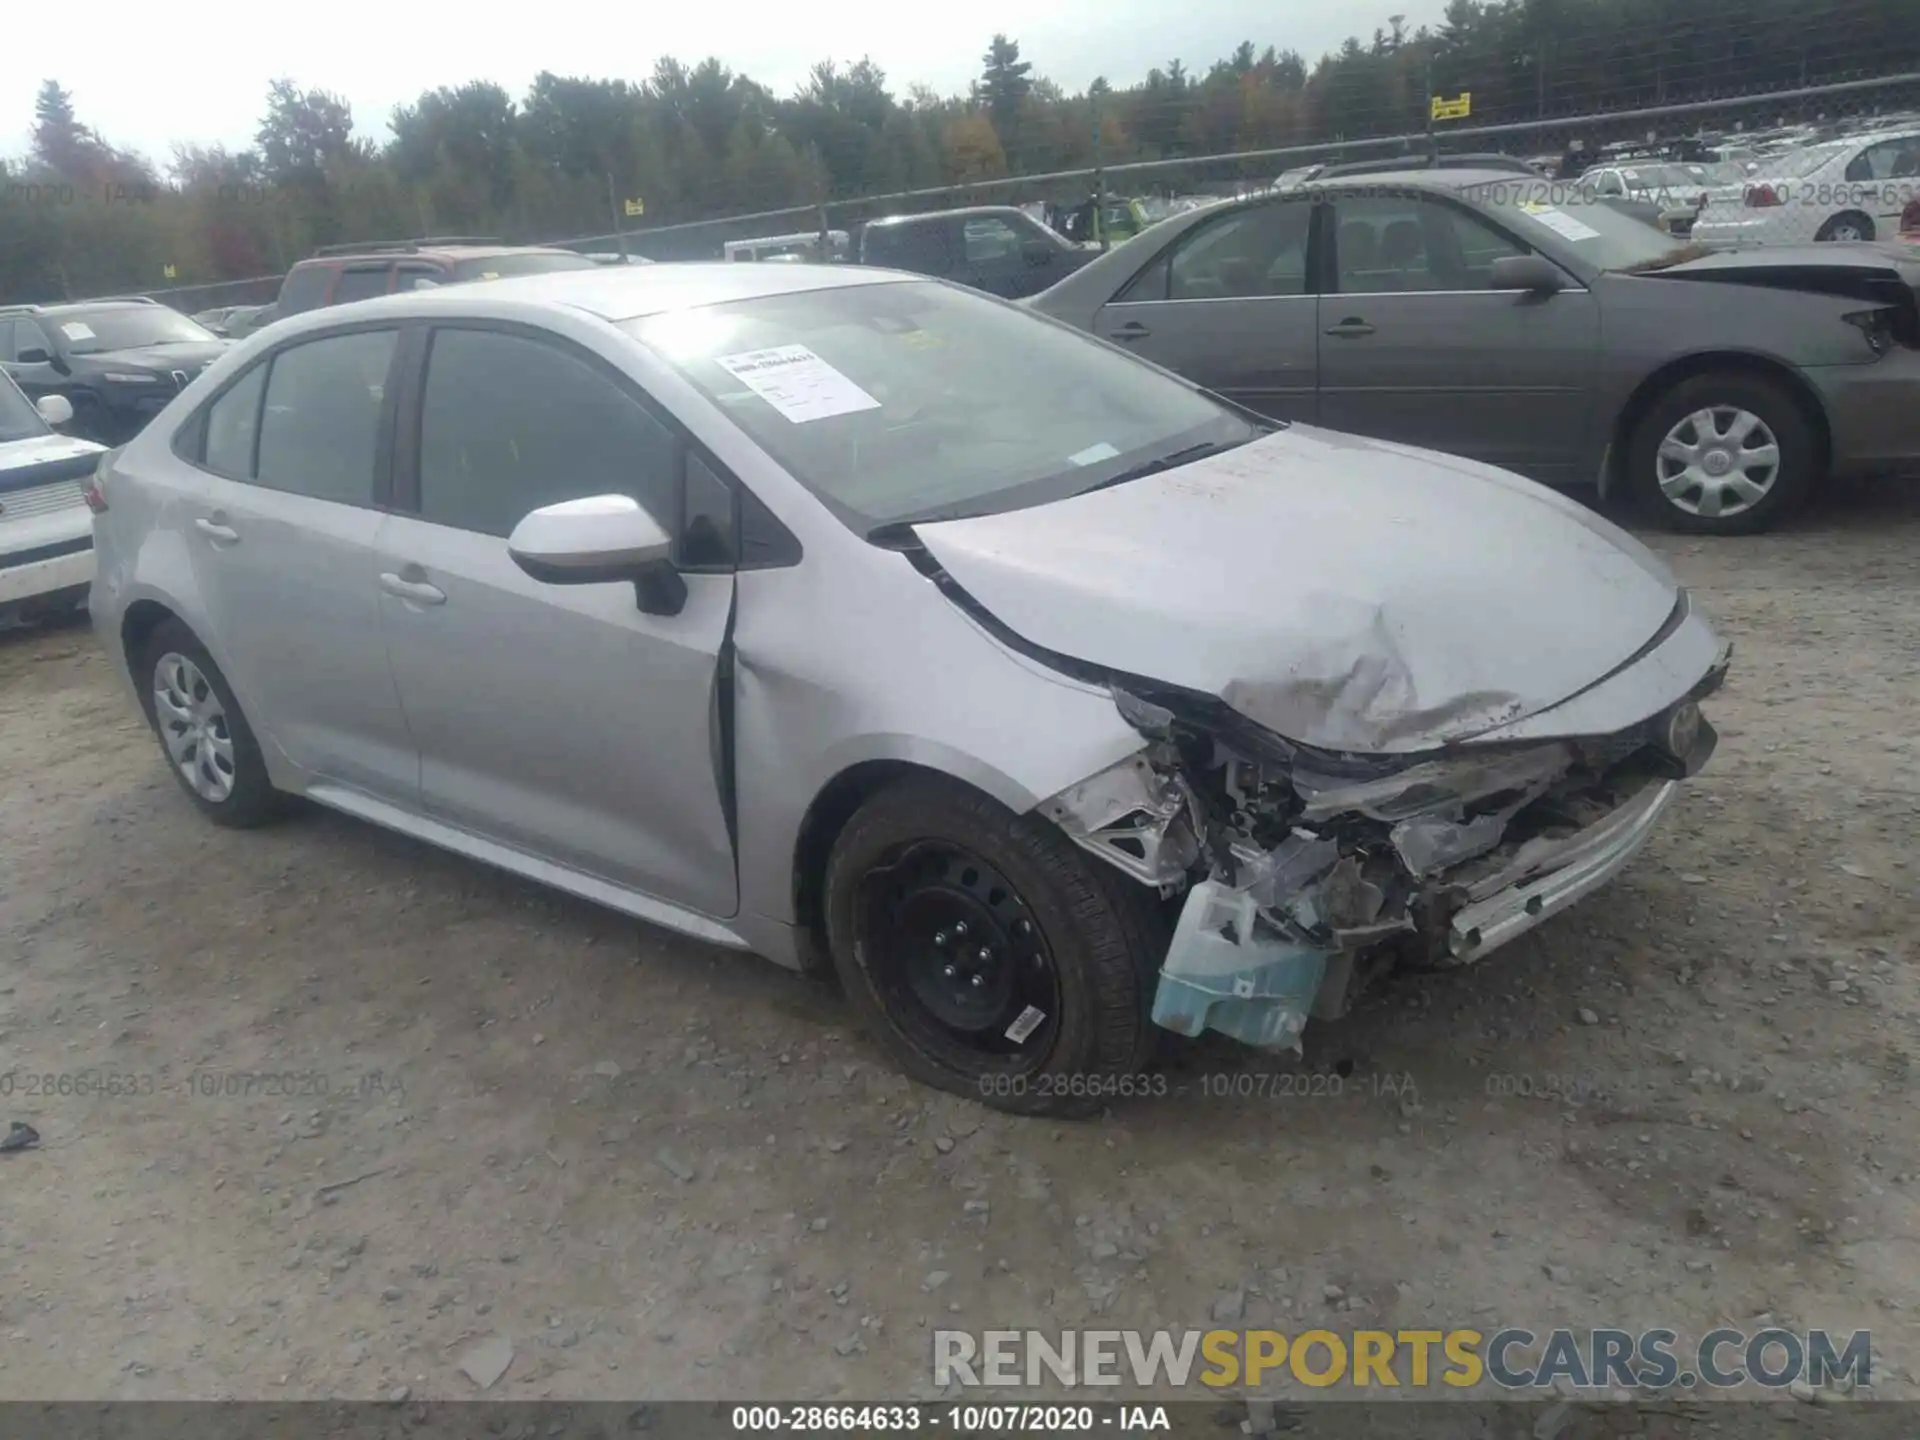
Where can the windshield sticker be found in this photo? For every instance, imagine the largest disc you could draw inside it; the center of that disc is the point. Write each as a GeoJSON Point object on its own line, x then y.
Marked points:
{"type": "Point", "coordinates": [1093, 454]}
{"type": "Point", "coordinates": [797, 383]}
{"type": "Point", "coordinates": [1563, 224]}
{"type": "Point", "coordinates": [74, 330]}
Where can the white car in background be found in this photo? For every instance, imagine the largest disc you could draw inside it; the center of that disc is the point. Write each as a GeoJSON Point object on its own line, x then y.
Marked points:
{"type": "Point", "coordinates": [1851, 189]}
{"type": "Point", "coordinates": [46, 529]}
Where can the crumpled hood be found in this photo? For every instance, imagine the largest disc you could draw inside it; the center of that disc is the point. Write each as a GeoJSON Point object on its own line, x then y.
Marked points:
{"type": "Point", "coordinates": [1346, 593]}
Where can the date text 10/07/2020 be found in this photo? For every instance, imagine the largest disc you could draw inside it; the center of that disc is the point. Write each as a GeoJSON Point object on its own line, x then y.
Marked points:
{"type": "Point", "coordinates": [1222, 1085]}
{"type": "Point", "coordinates": [195, 1084]}
{"type": "Point", "coordinates": [956, 1419]}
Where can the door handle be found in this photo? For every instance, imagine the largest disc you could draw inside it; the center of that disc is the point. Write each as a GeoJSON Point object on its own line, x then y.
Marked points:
{"type": "Point", "coordinates": [1132, 330]}
{"type": "Point", "coordinates": [1351, 328]}
{"type": "Point", "coordinates": [217, 530]}
{"type": "Point", "coordinates": [418, 591]}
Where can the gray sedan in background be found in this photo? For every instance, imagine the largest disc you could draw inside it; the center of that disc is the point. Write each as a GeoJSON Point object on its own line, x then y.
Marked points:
{"type": "Point", "coordinates": [1525, 324]}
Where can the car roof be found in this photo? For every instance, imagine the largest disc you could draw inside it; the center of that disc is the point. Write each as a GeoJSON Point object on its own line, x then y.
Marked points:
{"type": "Point", "coordinates": [962, 212]}
{"type": "Point", "coordinates": [434, 252]}
{"type": "Point", "coordinates": [67, 307]}
{"type": "Point", "coordinates": [629, 292]}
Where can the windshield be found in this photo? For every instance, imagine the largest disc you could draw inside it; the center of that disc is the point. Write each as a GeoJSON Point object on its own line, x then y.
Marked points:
{"type": "Point", "coordinates": [18, 419]}
{"type": "Point", "coordinates": [1558, 216]}
{"type": "Point", "coordinates": [126, 327]}
{"type": "Point", "coordinates": [498, 267]}
{"type": "Point", "coordinates": [1664, 177]}
{"type": "Point", "coordinates": [916, 401]}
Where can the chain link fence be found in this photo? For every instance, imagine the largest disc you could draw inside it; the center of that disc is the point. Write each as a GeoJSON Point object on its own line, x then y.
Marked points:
{"type": "Point", "coordinates": [1799, 217]}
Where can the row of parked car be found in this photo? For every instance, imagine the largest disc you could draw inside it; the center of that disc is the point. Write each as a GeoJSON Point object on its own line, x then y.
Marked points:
{"type": "Point", "coordinates": [1469, 306]}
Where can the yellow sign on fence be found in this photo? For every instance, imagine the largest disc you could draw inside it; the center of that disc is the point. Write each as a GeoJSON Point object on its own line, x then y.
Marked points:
{"type": "Point", "coordinates": [1457, 108]}
{"type": "Point", "coordinates": [636, 206]}
{"type": "Point", "coordinates": [167, 272]}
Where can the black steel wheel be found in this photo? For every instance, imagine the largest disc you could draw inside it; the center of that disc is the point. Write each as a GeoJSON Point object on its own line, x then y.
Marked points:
{"type": "Point", "coordinates": [957, 956]}
{"type": "Point", "coordinates": [991, 955]}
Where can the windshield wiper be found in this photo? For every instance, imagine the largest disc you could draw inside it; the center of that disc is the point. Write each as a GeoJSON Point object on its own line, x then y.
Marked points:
{"type": "Point", "coordinates": [1169, 462]}
{"type": "Point", "coordinates": [1678, 256]}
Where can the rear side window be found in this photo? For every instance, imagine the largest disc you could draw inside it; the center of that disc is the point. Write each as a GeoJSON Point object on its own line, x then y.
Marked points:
{"type": "Point", "coordinates": [233, 421]}
{"type": "Point", "coordinates": [509, 424]}
{"type": "Point", "coordinates": [320, 429]}
{"type": "Point", "coordinates": [305, 288]}
{"type": "Point", "coordinates": [362, 284]}
{"type": "Point", "coordinates": [922, 248]}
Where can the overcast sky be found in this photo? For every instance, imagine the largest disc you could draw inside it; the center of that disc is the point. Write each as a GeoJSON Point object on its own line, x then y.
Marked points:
{"type": "Point", "coordinates": [144, 86]}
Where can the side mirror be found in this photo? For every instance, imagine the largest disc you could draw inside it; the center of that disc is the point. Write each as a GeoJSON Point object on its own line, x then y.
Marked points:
{"type": "Point", "coordinates": [34, 356]}
{"type": "Point", "coordinates": [1038, 252]}
{"type": "Point", "coordinates": [56, 410]}
{"type": "Point", "coordinates": [597, 540]}
{"type": "Point", "coordinates": [1534, 274]}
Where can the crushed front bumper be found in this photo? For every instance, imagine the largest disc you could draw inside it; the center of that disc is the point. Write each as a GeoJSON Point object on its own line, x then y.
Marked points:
{"type": "Point", "coordinates": [1506, 905]}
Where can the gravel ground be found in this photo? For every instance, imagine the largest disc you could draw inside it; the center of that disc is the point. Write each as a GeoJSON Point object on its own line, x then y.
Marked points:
{"type": "Point", "coordinates": [648, 1168]}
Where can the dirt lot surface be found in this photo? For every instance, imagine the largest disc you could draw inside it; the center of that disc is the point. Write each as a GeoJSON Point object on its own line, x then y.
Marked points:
{"type": "Point", "coordinates": [655, 1169]}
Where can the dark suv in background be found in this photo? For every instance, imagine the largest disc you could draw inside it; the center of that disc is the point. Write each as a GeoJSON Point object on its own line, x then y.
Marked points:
{"type": "Point", "coordinates": [336, 274]}
{"type": "Point", "coordinates": [118, 362]}
{"type": "Point", "coordinates": [995, 248]}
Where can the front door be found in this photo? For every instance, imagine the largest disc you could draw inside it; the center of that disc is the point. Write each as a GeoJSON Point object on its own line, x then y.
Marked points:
{"type": "Point", "coordinates": [1415, 346]}
{"type": "Point", "coordinates": [557, 719]}
{"type": "Point", "coordinates": [282, 534]}
{"type": "Point", "coordinates": [1231, 306]}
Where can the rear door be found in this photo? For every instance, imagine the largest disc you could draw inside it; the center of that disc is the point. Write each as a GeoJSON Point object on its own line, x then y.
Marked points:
{"type": "Point", "coordinates": [1231, 305]}
{"type": "Point", "coordinates": [1416, 346]}
{"type": "Point", "coordinates": [560, 720]}
{"type": "Point", "coordinates": [295, 458]}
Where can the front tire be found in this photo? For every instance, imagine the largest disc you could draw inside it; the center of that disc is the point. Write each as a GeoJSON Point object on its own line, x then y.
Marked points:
{"type": "Point", "coordinates": [989, 955]}
{"type": "Point", "coordinates": [1722, 454]}
{"type": "Point", "coordinates": [209, 746]}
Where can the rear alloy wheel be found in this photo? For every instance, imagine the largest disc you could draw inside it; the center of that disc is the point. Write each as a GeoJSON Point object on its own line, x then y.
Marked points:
{"type": "Point", "coordinates": [208, 744]}
{"type": "Point", "coordinates": [989, 954]}
{"type": "Point", "coordinates": [1722, 455]}
{"type": "Point", "coordinates": [1852, 225]}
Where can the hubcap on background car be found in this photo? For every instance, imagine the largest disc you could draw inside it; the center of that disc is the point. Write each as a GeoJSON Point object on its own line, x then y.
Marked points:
{"type": "Point", "coordinates": [193, 726]}
{"type": "Point", "coordinates": [956, 950]}
{"type": "Point", "coordinates": [1717, 462]}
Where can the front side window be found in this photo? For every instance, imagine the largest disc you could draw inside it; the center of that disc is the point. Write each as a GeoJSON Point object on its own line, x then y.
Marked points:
{"type": "Point", "coordinates": [320, 428]}
{"type": "Point", "coordinates": [18, 419]}
{"type": "Point", "coordinates": [905, 400]}
{"type": "Point", "coordinates": [509, 424]}
{"type": "Point", "coordinates": [1391, 244]}
{"type": "Point", "coordinates": [1259, 251]}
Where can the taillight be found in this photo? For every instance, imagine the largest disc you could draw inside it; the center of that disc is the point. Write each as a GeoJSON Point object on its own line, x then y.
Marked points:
{"type": "Point", "coordinates": [1759, 197]}
{"type": "Point", "coordinates": [94, 492]}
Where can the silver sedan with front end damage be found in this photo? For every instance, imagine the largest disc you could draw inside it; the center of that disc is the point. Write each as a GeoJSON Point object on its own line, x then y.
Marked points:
{"type": "Point", "coordinates": [867, 622]}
